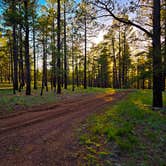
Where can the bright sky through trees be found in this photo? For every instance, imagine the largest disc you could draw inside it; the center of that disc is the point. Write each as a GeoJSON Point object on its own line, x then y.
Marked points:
{"type": "Point", "coordinates": [44, 1]}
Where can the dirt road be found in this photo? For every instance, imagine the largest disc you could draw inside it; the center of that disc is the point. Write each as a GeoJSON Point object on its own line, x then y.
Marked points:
{"type": "Point", "coordinates": [44, 135]}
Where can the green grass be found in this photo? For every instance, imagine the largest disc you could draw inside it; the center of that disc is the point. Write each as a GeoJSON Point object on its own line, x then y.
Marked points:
{"type": "Point", "coordinates": [10, 102]}
{"type": "Point", "coordinates": [129, 134]}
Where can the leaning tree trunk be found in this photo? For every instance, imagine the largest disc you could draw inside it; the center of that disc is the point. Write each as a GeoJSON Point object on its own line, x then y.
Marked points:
{"type": "Point", "coordinates": [157, 72]}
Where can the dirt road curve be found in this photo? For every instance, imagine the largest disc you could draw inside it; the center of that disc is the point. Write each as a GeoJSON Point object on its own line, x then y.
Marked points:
{"type": "Point", "coordinates": [44, 136]}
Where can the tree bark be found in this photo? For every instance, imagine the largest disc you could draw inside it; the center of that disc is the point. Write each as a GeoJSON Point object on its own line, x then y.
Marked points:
{"type": "Point", "coordinates": [124, 61]}
{"type": "Point", "coordinates": [65, 49]}
{"type": "Point", "coordinates": [27, 56]}
{"type": "Point", "coordinates": [59, 49]}
{"type": "Point", "coordinates": [85, 56]}
{"type": "Point", "coordinates": [15, 53]}
{"type": "Point", "coordinates": [115, 76]}
{"type": "Point", "coordinates": [53, 56]}
{"type": "Point", "coordinates": [77, 75]}
{"type": "Point", "coordinates": [157, 58]}
{"type": "Point", "coordinates": [164, 58]}
{"type": "Point", "coordinates": [120, 74]}
{"type": "Point", "coordinates": [34, 55]}
{"type": "Point", "coordinates": [44, 67]}
{"type": "Point", "coordinates": [21, 64]}
{"type": "Point", "coordinates": [73, 81]}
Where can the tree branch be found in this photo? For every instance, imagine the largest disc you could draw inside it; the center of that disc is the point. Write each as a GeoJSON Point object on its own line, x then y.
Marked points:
{"type": "Point", "coordinates": [128, 22]}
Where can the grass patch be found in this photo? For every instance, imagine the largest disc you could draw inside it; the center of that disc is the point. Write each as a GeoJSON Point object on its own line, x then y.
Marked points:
{"type": "Point", "coordinates": [128, 133]}
{"type": "Point", "coordinates": [10, 102]}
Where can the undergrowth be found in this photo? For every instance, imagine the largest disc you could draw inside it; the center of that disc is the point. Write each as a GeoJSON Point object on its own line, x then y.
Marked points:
{"type": "Point", "coordinates": [128, 133]}
{"type": "Point", "coordinates": [10, 102]}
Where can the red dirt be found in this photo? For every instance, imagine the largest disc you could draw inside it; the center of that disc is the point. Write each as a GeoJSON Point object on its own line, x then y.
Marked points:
{"type": "Point", "coordinates": [44, 136]}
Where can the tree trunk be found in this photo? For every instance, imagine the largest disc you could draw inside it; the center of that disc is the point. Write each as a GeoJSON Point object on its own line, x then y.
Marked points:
{"type": "Point", "coordinates": [77, 75]}
{"type": "Point", "coordinates": [138, 73]}
{"type": "Point", "coordinates": [157, 73]}
{"type": "Point", "coordinates": [59, 49]}
{"type": "Point", "coordinates": [34, 55]}
{"type": "Point", "coordinates": [85, 79]}
{"type": "Point", "coordinates": [123, 61]}
{"type": "Point", "coordinates": [11, 59]}
{"type": "Point", "coordinates": [65, 49]}
{"type": "Point", "coordinates": [44, 67]}
{"type": "Point", "coordinates": [21, 65]}
{"type": "Point", "coordinates": [53, 56]}
{"type": "Point", "coordinates": [164, 58]}
{"type": "Point", "coordinates": [27, 56]}
{"type": "Point", "coordinates": [115, 77]}
{"type": "Point", "coordinates": [45, 58]}
{"type": "Point", "coordinates": [15, 54]}
{"type": "Point", "coordinates": [73, 82]}
{"type": "Point", "coordinates": [120, 75]}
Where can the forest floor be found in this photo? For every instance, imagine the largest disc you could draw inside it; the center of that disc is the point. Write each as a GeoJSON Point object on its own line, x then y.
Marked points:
{"type": "Point", "coordinates": [129, 133]}
{"type": "Point", "coordinates": [47, 134]}
{"type": "Point", "coordinates": [19, 102]}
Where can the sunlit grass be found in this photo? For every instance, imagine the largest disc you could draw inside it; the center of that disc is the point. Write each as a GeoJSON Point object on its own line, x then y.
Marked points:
{"type": "Point", "coordinates": [8, 101]}
{"type": "Point", "coordinates": [129, 133]}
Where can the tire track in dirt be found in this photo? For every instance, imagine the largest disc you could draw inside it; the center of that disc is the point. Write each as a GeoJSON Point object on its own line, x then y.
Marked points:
{"type": "Point", "coordinates": [36, 115]}
{"type": "Point", "coordinates": [49, 140]}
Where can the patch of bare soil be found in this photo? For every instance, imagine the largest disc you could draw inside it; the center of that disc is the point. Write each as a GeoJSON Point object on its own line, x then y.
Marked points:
{"type": "Point", "coordinates": [20, 109]}
{"type": "Point", "coordinates": [45, 135]}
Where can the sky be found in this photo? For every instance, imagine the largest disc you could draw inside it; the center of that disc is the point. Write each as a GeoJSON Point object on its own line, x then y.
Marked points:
{"type": "Point", "coordinates": [44, 1]}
